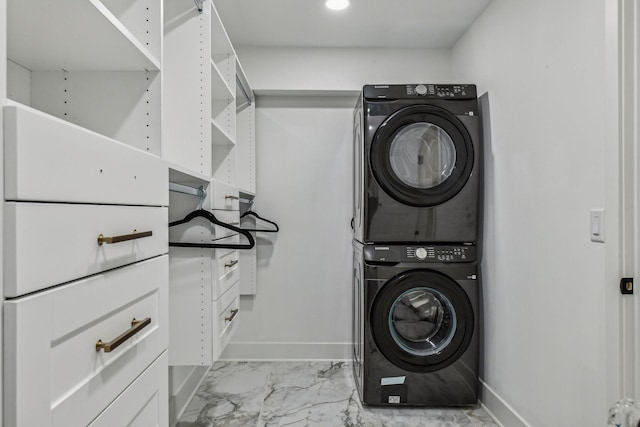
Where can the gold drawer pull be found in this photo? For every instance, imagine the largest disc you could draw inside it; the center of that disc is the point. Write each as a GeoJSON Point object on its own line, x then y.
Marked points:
{"type": "Point", "coordinates": [234, 313]}
{"type": "Point", "coordinates": [231, 264]}
{"type": "Point", "coordinates": [117, 239]}
{"type": "Point", "coordinates": [136, 326]}
{"type": "Point", "coordinates": [231, 197]}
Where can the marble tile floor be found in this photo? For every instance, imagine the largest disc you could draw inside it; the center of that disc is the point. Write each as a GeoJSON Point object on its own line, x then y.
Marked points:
{"type": "Point", "coordinates": [299, 394]}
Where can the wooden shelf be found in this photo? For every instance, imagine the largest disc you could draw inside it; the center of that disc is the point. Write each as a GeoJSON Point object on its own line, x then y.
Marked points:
{"type": "Point", "coordinates": [73, 35]}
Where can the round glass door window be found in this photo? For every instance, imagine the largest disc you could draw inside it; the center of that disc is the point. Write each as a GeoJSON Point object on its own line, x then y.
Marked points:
{"type": "Point", "coordinates": [422, 155]}
{"type": "Point", "coordinates": [422, 320]}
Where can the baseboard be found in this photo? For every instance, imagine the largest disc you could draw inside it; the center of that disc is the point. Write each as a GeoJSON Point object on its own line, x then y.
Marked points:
{"type": "Point", "coordinates": [499, 409]}
{"type": "Point", "coordinates": [179, 402]}
{"type": "Point", "coordinates": [287, 351]}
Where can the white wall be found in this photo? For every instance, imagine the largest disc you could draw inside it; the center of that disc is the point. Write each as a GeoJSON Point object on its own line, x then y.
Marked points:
{"type": "Point", "coordinates": [302, 309]}
{"type": "Point", "coordinates": [334, 69]}
{"type": "Point", "coordinates": [303, 304]}
{"type": "Point", "coordinates": [542, 63]}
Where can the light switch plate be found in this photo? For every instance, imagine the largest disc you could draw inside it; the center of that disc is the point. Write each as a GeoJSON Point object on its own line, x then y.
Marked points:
{"type": "Point", "coordinates": [597, 225]}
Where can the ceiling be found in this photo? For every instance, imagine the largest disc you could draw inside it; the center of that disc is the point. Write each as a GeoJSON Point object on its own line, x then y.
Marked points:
{"type": "Point", "coordinates": [366, 23]}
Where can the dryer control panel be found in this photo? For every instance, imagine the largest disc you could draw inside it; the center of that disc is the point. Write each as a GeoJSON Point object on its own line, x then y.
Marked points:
{"type": "Point", "coordinates": [420, 253]}
{"type": "Point", "coordinates": [425, 90]}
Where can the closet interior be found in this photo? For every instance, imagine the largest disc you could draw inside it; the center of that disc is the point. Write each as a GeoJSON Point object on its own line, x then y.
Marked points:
{"type": "Point", "coordinates": [121, 117]}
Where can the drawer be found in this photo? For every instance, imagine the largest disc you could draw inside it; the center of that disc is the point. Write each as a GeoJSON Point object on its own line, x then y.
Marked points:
{"type": "Point", "coordinates": [143, 403]}
{"type": "Point", "coordinates": [228, 217]}
{"type": "Point", "coordinates": [46, 244]}
{"type": "Point", "coordinates": [53, 375]}
{"type": "Point", "coordinates": [226, 319]}
{"type": "Point", "coordinates": [228, 271]}
{"type": "Point", "coordinates": [224, 196]}
{"type": "Point", "coordinates": [48, 159]}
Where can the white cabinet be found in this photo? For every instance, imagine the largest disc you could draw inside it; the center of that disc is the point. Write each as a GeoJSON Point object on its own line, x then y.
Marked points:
{"type": "Point", "coordinates": [48, 159]}
{"type": "Point", "coordinates": [54, 373]}
{"type": "Point", "coordinates": [66, 246]}
{"type": "Point", "coordinates": [200, 135]}
{"type": "Point", "coordinates": [84, 214]}
{"type": "Point", "coordinates": [143, 403]}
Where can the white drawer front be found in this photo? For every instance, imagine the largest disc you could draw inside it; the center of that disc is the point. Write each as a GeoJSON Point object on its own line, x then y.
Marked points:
{"type": "Point", "coordinates": [144, 403]}
{"type": "Point", "coordinates": [224, 196]}
{"type": "Point", "coordinates": [228, 268]}
{"type": "Point", "coordinates": [228, 217]}
{"type": "Point", "coordinates": [228, 314]}
{"type": "Point", "coordinates": [53, 374]}
{"type": "Point", "coordinates": [47, 244]}
{"type": "Point", "coordinates": [48, 159]}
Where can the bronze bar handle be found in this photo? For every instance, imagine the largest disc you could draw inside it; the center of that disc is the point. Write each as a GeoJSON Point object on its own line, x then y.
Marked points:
{"type": "Point", "coordinates": [136, 326]}
{"type": "Point", "coordinates": [234, 313]}
{"type": "Point", "coordinates": [117, 239]}
{"type": "Point", "coordinates": [231, 197]}
{"type": "Point", "coordinates": [231, 264]}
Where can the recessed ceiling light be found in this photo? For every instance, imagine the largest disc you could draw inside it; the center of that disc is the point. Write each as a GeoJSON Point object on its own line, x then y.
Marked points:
{"type": "Point", "coordinates": [337, 4]}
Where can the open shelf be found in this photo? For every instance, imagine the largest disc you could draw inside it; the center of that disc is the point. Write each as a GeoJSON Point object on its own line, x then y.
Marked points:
{"type": "Point", "coordinates": [73, 35]}
{"type": "Point", "coordinates": [182, 175]}
{"type": "Point", "coordinates": [220, 89]}
{"type": "Point", "coordinates": [220, 136]}
{"type": "Point", "coordinates": [223, 55]}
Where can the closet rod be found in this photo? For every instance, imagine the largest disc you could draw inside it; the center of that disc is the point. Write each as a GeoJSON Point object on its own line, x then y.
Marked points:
{"type": "Point", "coordinates": [247, 201]}
{"type": "Point", "coordinates": [199, 5]}
{"type": "Point", "coordinates": [180, 188]}
{"type": "Point", "coordinates": [242, 106]}
{"type": "Point", "coordinates": [243, 90]}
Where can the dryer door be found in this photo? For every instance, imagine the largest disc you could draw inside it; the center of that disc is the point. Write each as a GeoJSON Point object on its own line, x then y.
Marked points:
{"type": "Point", "coordinates": [422, 320]}
{"type": "Point", "coordinates": [422, 155]}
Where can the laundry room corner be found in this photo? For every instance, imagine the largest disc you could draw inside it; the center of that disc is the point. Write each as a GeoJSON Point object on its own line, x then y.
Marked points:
{"type": "Point", "coordinates": [304, 125]}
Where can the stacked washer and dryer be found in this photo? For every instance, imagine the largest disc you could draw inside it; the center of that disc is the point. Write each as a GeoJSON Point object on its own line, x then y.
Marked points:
{"type": "Point", "coordinates": [417, 227]}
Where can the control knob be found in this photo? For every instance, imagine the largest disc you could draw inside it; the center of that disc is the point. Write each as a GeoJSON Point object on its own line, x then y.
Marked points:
{"type": "Point", "coordinates": [421, 90]}
{"type": "Point", "coordinates": [421, 253]}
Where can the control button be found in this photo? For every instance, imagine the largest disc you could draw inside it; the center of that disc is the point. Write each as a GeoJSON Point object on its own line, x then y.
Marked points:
{"type": "Point", "coordinates": [421, 253]}
{"type": "Point", "coordinates": [421, 90]}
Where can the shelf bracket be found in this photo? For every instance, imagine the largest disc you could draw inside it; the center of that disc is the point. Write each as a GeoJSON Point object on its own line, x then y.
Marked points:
{"type": "Point", "coordinates": [199, 5]}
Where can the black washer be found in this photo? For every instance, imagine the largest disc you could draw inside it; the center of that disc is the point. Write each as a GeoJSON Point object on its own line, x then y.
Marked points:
{"type": "Point", "coordinates": [455, 329]}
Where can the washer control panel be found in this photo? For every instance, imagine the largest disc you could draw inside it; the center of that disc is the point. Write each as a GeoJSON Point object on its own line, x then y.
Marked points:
{"type": "Point", "coordinates": [423, 90]}
{"type": "Point", "coordinates": [420, 253]}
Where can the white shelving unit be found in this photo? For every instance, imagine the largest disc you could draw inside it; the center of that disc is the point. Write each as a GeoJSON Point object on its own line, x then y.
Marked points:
{"type": "Point", "coordinates": [92, 63]}
{"type": "Point", "coordinates": [82, 146]}
{"type": "Point", "coordinates": [199, 140]}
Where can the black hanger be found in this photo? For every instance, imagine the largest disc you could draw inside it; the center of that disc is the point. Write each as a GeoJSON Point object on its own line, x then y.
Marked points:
{"type": "Point", "coordinates": [249, 212]}
{"type": "Point", "coordinates": [201, 213]}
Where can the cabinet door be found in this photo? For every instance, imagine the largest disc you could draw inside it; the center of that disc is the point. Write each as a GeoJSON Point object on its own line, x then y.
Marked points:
{"type": "Point", "coordinates": [224, 196]}
{"type": "Point", "coordinates": [228, 270]}
{"type": "Point", "coordinates": [226, 318]}
{"type": "Point", "coordinates": [144, 403]}
{"type": "Point", "coordinates": [47, 244]}
{"type": "Point", "coordinates": [54, 372]}
{"type": "Point", "coordinates": [48, 159]}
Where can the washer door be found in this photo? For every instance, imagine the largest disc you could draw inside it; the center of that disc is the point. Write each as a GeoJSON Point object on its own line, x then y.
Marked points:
{"type": "Point", "coordinates": [422, 321]}
{"type": "Point", "coordinates": [422, 155]}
